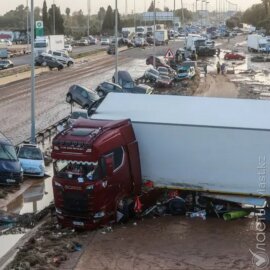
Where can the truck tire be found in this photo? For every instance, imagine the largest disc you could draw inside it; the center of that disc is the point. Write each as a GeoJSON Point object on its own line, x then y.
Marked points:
{"type": "Point", "coordinates": [177, 207]}
{"type": "Point", "coordinates": [123, 208]}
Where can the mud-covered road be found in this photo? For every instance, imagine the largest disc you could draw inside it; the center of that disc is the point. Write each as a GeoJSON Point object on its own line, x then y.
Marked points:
{"type": "Point", "coordinates": [165, 243]}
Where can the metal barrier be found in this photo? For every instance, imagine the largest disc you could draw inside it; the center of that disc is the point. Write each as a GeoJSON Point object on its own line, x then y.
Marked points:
{"type": "Point", "coordinates": [47, 133]}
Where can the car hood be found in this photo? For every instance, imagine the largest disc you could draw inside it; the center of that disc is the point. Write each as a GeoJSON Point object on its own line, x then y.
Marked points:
{"type": "Point", "coordinates": [139, 89]}
{"type": "Point", "coordinates": [28, 163]}
{"type": "Point", "coordinates": [10, 166]}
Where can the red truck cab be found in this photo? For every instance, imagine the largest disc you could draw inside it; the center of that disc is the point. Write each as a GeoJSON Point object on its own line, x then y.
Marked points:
{"type": "Point", "coordinates": [96, 172]}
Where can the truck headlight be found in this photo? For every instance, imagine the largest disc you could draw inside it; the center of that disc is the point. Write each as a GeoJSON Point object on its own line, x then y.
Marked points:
{"type": "Point", "coordinates": [99, 214]}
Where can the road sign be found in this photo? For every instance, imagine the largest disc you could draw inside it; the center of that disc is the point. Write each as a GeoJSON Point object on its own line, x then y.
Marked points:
{"type": "Point", "coordinates": [169, 54]}
{"type": "Point", "coordinates": [39, 28]}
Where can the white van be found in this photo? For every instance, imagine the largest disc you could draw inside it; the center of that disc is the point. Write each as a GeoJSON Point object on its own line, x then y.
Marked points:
{"type": "Point", "coordinates": [62, 57]}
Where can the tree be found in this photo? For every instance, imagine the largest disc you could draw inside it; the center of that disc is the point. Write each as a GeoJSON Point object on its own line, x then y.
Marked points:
{"type": "Point", "coordinates": [68, 12]}
{"type": "Point", "coordinates": [55, 16]}
{"type": "Point", "coordinates": [101, 13]}
{"type": "Point", "coordinates": [166, 9]}
{"type": "Point", "coordinates": [151, 8]}
{"type": "Point", "coordinates": [108, 21]}
{"type": "Point", "coordinates": [45, 18]}
{"type": "Point", "coordinates": [37, 12]}
{"type": "Point", "coordinates": [187, 14]}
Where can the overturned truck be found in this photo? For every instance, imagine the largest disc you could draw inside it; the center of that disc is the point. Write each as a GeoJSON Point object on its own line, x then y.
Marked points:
{"type": "Point", "coordinates": [218, 148]}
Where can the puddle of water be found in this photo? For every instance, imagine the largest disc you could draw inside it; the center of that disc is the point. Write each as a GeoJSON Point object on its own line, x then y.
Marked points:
{"type": "Point", "coordinates": [8, 241]}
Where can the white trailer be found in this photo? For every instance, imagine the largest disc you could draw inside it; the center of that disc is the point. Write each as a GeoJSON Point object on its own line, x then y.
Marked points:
{"type": "Point", "coordinates": [194, 41]}
{"type": "Point", "coordinates": [257, 43]}
{"type": "Point", "coordinates": [161, 37]}
{"type": "Point", "coordinates": [49, 43]}
{"type": "Point", "coordinates": [213, 145]}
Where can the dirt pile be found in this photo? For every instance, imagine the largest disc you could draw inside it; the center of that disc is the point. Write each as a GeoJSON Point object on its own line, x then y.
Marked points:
{"type": "Point", "coordinates": [47, 249]}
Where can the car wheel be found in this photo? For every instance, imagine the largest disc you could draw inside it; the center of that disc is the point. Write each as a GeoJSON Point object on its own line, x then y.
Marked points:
{"type": "Point", "coordinates": [69, 64]}
{"type": "Point", "coordinates": [100, 93]}
{"type": "Point", "coordinates": [69, 98]}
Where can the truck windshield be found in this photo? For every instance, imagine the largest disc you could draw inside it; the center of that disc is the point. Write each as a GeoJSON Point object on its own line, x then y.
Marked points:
{"type": "Point", "coordinates": [7, 152]}
{"type": "Point", "coordinates": [40, 44]}
{"type": "Point", "coordinates": [76, 170]}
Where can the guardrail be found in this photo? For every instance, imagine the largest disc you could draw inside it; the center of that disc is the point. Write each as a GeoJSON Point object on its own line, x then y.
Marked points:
{"type": "Point", "coordinates": [47, 133]}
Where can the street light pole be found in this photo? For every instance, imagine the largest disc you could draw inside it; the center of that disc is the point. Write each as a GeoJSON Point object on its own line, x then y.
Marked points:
{"type": "Point", "coordinates": [53, 17]}
{"type": "Point", "coordinates": [33, 127]}
{"type": "Point", "coordinates": [27, 25]}
{"type": "Point", "coordinates": [154, 58]}
{"type": "Point", "coordinates": [88, 18]}
{"type": "Point", "coordinates": [116, 43]}
{"type": "Point", "coordinates": [173, 20]}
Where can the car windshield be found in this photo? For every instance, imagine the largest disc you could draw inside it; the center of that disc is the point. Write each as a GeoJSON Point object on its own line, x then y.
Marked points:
{"type": "Point", "coordinates": [40, 44]}
{"type": "Point", "coordinates": [76, 170]}
{"type": "Point", "coordinates": [7, 152]}
{"type": "Point", "coordinates": [128, 85]}
{"type": "Point", "coordinates": [30, 153]}
{"type": "Point", "coordinates": [76, 115]}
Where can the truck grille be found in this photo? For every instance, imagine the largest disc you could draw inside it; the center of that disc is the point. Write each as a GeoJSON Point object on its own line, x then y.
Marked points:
{"type": "Point", "coordinates": [76, 202]}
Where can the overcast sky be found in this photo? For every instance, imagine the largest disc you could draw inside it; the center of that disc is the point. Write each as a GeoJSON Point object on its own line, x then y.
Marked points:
{"type": "Point", "coordinates": [140, 5]}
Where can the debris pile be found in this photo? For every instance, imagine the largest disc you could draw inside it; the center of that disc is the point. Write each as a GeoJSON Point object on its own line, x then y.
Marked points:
{"type": "Point", "coordinates": [47, 249]}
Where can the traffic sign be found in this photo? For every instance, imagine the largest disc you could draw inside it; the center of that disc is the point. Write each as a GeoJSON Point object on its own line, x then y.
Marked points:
{"type": "Point", "coordinates": [169, 54]}
{"type": "Point", "coordinates": [39, 24]}
{"type": "Point", "coordinates": [39, 28]}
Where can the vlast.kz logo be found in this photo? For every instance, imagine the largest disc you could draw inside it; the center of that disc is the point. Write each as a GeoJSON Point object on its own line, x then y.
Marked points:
{"type": "Point", "coordinates": [260, 259]}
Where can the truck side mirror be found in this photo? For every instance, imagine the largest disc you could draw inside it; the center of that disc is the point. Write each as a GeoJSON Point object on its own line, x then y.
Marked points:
{"type": "Point", "coordinates": [109, 164]}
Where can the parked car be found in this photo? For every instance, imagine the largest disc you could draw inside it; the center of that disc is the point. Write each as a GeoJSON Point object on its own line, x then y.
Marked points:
{"type": "Point", "coordinates": [111, 49]}
{"type": "Point", "coordinates": [105, 41]}
{"type": "Point", "coordinates": [92, 41]}
{"type": "Point", "coordinates": [62, 57]}
{"type": "Point", "coordinates": [76, 115]}
{"type": "Point", "coordinates": [164, 81]}
{"type": "Point", "coordinates": [163, 71]}
{"type": "Point", "coordinates": [128, 84]}
{"type": "Point", "coordinates": [106, 87]}
{"type": "Point", "coordinates": [81, 95]}
{"type": "Point", "coordinates": [82, 42]}
{"type": "Point", "coordinates": [11, 172]}
{"type": "Point", "coordinates": [5, 42]}
{"type": "Point", "coordinates": [4, 64]}
{"type": "Point", "coordinates": [49, 61]}
{"type": "Point", "coordinates": [185, 72]}
{"type": "Point", "coordinates": [68, 48]}
{"type": "Point", "coordinates": [234, 56]}
{"type": "Point", "coordinates": [32, 160]}
{"type": "Point", "coordinates": [159, 62]}
{"type": "Point", "coordinates": [151, 74]}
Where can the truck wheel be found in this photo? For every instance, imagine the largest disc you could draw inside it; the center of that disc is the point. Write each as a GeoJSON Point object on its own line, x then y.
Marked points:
{"type": "Point", "coordinates": [176, 207]}
{"type": "Point", "coordinates": [69, 64]}
{"type": "Point", "coordinates": [122, 212]}
{"type": "Point", "coordinates": [69, 98]}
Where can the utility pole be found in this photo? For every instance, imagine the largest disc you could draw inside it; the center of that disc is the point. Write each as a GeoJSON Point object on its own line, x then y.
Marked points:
{"type": "Point", "coordinates": [53, 17]}
{"type": "Point", "coordinates": [27, 25]}
{"type": "Point", "coordinates": [88, 17]}
{"type": "Point", "coordinates": [33, 126]}
{"type": "Point", "coordinates": [183, 17]}
{"type": "Point", "coordinates": [116, 43]}
{"type": "Point", "coordinates": [154, 58]}
{"type": "Point", "coordinates": [174, 20]}
{"type": "Point", "coordinates": [134, 16]}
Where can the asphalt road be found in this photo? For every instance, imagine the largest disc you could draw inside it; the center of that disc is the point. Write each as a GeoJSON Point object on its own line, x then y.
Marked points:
{"type": "Point", "coordinates": [51, 89]}
{"type": "Point", "coordinates": [26, 59]}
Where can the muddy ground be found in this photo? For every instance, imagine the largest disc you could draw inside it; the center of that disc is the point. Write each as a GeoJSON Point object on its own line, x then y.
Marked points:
{"type": "Point", "coordinates": [160, 243]}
